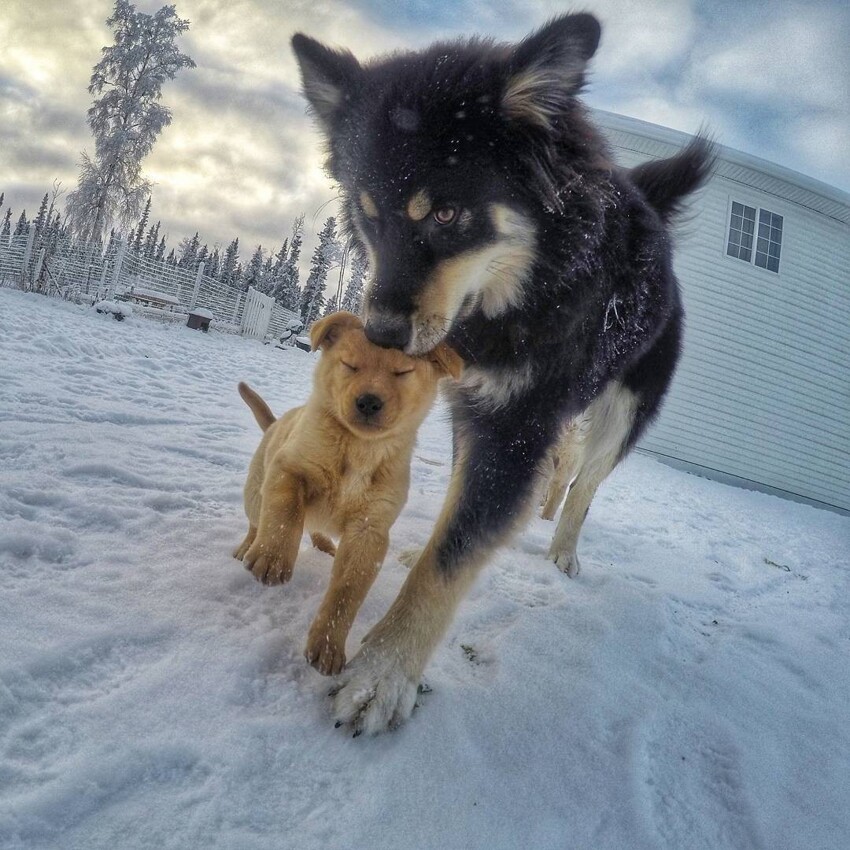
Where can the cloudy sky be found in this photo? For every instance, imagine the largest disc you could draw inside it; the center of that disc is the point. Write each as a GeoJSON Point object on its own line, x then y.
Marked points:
{"type": "Point", "coordinates": [241, 158]}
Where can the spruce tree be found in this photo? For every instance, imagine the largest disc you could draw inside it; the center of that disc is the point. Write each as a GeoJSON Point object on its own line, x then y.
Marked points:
{"type": "Point", "coordinates": [227, 273]}
{"type": "Point", "coordinates": [202, 257]}
{"type": "Point", "coordinates": [7, 223]}
{"type": "Point", "coordinates": [41, 217]}
{"type": "Point", "coordinates": [326, 253]}
{"type": "Point", "coordinates": [254, 272]}
{"type": "Point", "coordinates": [214, 263]}
{"type": "Point", "coordinates": [267, 275]}
{"type": "Point", "coordinates": [353, 298]}
{"type": "Point", "coordinates": [22, 226]}
{"type": "Point", "coordinates": [136, 239]}
{"type": "Point", "coordinates": [126, 117]}
{"type": "Point", "coordinates": [286, 290]}
{"type": "Point", "coordinates": [151, 241]}
{"type": "Point", "coordinates": [188, 251]}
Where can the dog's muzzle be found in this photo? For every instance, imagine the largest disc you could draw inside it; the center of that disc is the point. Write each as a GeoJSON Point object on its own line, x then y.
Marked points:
{"type": "Point", "coordinates": [388, 329]}
{"type": "Point", "coordinates": [369, 405]}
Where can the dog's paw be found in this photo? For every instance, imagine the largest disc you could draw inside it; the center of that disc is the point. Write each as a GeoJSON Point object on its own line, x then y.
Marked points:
{"type": "Point", "coordinates": [408, 557]}
{"type": "Point", "coordinates": [324, 653]}
{"type": "Point", "coordinates": [267, 565]}
{"type": "Point", "coordinates": [567, 562]}
{"type": "Point", "coordinates": [374, 693]}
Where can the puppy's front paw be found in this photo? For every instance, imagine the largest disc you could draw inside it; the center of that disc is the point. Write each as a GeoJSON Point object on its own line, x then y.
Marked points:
{"type": "Point", "coordinates": [325, 652]}
{"type": "Point", "coordinates": [374, 694]}
{"type": "Point", "coordinates": [268, 565]}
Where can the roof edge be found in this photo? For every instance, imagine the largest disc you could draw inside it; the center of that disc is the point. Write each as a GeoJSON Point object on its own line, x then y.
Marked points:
{"type": "Point", "coordinates": [660, 133]}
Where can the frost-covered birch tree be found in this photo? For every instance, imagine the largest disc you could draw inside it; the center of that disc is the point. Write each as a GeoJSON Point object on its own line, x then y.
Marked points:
{"type": "Point", "coordinates": [126, 117]}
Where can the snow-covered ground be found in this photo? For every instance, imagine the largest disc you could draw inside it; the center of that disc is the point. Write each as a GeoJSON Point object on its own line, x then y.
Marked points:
{"type": "Point", "coordinates": [691, 689]}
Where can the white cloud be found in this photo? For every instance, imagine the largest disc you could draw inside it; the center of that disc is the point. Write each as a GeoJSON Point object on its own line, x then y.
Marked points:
{"type": "Point", "coordinates": [798, 55]}
{"type": "Point", "coordinates": [785, 85]}
{"type": "Point", "coordinates": [638, 36]}
{"type": "Point", "coordinates": [242, 158]}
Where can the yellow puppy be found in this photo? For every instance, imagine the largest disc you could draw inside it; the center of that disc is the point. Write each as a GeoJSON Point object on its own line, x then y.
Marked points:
{"type": "Point", "coordinates": [339, 465]}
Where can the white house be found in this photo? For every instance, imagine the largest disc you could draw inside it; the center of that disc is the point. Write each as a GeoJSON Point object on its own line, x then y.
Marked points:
{"type": "Point", "coordinates": [762, 395]}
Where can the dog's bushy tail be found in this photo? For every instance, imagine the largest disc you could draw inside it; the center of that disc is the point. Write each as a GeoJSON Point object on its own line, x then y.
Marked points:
{"type": "Point", "coordinates": [262, 412]}
{"type": "Point", "coordinates": [665, 183]}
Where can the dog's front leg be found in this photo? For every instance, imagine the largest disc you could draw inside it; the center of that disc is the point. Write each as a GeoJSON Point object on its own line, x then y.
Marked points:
{"type": "Point", "coordinates": [361, 552]}
{"type": "Point", "coordinates": [490, 494]}
{"type": "Point", "coordinates": [271, 556]}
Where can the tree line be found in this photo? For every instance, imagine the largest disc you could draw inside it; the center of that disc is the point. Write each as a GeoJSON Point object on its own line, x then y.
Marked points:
{"type": "Point", "coordinates": [275, 273]}
{"type": "Point", "coordinates": [112, 200]}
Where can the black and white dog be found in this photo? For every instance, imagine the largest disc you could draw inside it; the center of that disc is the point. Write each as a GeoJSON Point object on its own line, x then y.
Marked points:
{"type": "Point", "coordinates": [494, 218]}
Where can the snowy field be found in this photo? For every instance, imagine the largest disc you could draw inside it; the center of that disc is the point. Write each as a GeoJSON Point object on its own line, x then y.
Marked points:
{"type": "Point", "coordinates": [690, 689]}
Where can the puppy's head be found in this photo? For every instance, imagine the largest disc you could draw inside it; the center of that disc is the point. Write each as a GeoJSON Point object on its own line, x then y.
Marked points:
{"type": "Point", "coordinates": [447, 163]}
{"type": "Point", "coordinates": [375, 391]}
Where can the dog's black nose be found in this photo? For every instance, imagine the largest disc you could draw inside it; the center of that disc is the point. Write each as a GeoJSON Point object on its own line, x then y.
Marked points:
{"type": "Point", "coordinates": [368, 404]}
{"type": "Point", "coordinates": [388, 331]}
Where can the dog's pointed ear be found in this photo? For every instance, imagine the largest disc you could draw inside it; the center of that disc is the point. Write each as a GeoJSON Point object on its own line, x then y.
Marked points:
{"type": "Point", "coordinates": [547, 68]}
{"type": "Point", "coordinates": [325, 332]}
{"type": "Point", "coordinates": [328, 77]}
{"type": "Point", "coordinates": [447, 360]}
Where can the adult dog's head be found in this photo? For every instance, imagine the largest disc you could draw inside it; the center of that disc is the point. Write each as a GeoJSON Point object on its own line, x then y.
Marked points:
{"type": "Point", "coordinates": [447, 164]}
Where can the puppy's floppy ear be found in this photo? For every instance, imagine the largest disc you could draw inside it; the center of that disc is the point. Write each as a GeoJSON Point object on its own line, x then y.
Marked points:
{"type": "Point", "coordinates": [328, 76]}
{"type": "Point", "coordinates": [325, 332]}
{"type": "Point", "coordinates": [447, 360]}
{"type": "Point", "coordinates": [547, 69]}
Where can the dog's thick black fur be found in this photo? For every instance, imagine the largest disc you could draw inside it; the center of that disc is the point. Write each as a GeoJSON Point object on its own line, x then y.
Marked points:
{"type": "Point", "coordinates": [494, 217]}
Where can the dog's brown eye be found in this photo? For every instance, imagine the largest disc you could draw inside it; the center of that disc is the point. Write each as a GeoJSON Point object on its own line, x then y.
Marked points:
{"type": "Point", "coordinates": [404, 372]}
{"type": "Point", "coordinates": [348, 366]}
{"type": "Point", "coordinates": [445, 215]}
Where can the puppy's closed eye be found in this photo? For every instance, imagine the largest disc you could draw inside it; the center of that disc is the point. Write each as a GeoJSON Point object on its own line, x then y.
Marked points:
{"type": "Point", "coordinates": [402, 372]}
{"type": "Point", "coordinates": [348, 366]}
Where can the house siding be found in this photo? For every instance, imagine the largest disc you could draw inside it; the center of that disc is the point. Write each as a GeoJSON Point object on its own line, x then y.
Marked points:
{"type": "Point", "coordinates": [762, 393]}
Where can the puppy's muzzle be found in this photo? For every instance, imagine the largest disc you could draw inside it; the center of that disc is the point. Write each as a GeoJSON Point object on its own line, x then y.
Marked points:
{"type": "Point", "coordinates": [369, 405]}
{"type": "Point", "coordinates": [388, 330]}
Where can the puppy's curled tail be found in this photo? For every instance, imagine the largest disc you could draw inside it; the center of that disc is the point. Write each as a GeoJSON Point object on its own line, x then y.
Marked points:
{"type": "Point", "coordinates": [665, 183]}
{"type": "Point", "coordinates": [262, 412]}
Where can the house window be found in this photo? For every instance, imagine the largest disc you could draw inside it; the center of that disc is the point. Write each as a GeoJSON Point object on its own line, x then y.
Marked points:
{"type": "Point", "coordinates": [769, 240]}
{"type": "Point", "coordinates": [742, 235]}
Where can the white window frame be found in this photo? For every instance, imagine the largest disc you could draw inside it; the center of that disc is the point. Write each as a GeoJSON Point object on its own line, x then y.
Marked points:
{"type": "Point", "coordinates": [756, 205]}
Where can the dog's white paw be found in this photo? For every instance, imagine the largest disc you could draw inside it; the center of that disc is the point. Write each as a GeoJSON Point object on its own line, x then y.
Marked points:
{"type": "Point", "coordinates": [567, 562]}
{"type": "Point", "coordinates": [408, 557]}
{"type": "Point", "coordinates": [374, 693]}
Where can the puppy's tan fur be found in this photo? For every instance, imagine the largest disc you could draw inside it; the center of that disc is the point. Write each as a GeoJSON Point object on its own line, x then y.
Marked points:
{"type": "Point", "coordinates": [328, 467]}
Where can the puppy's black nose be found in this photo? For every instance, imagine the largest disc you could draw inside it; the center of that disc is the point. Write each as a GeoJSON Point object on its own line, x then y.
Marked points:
{"type": "Point", "coordinates": [388, 331]}
{"type": "Point", "coordinates": [368, 404]}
